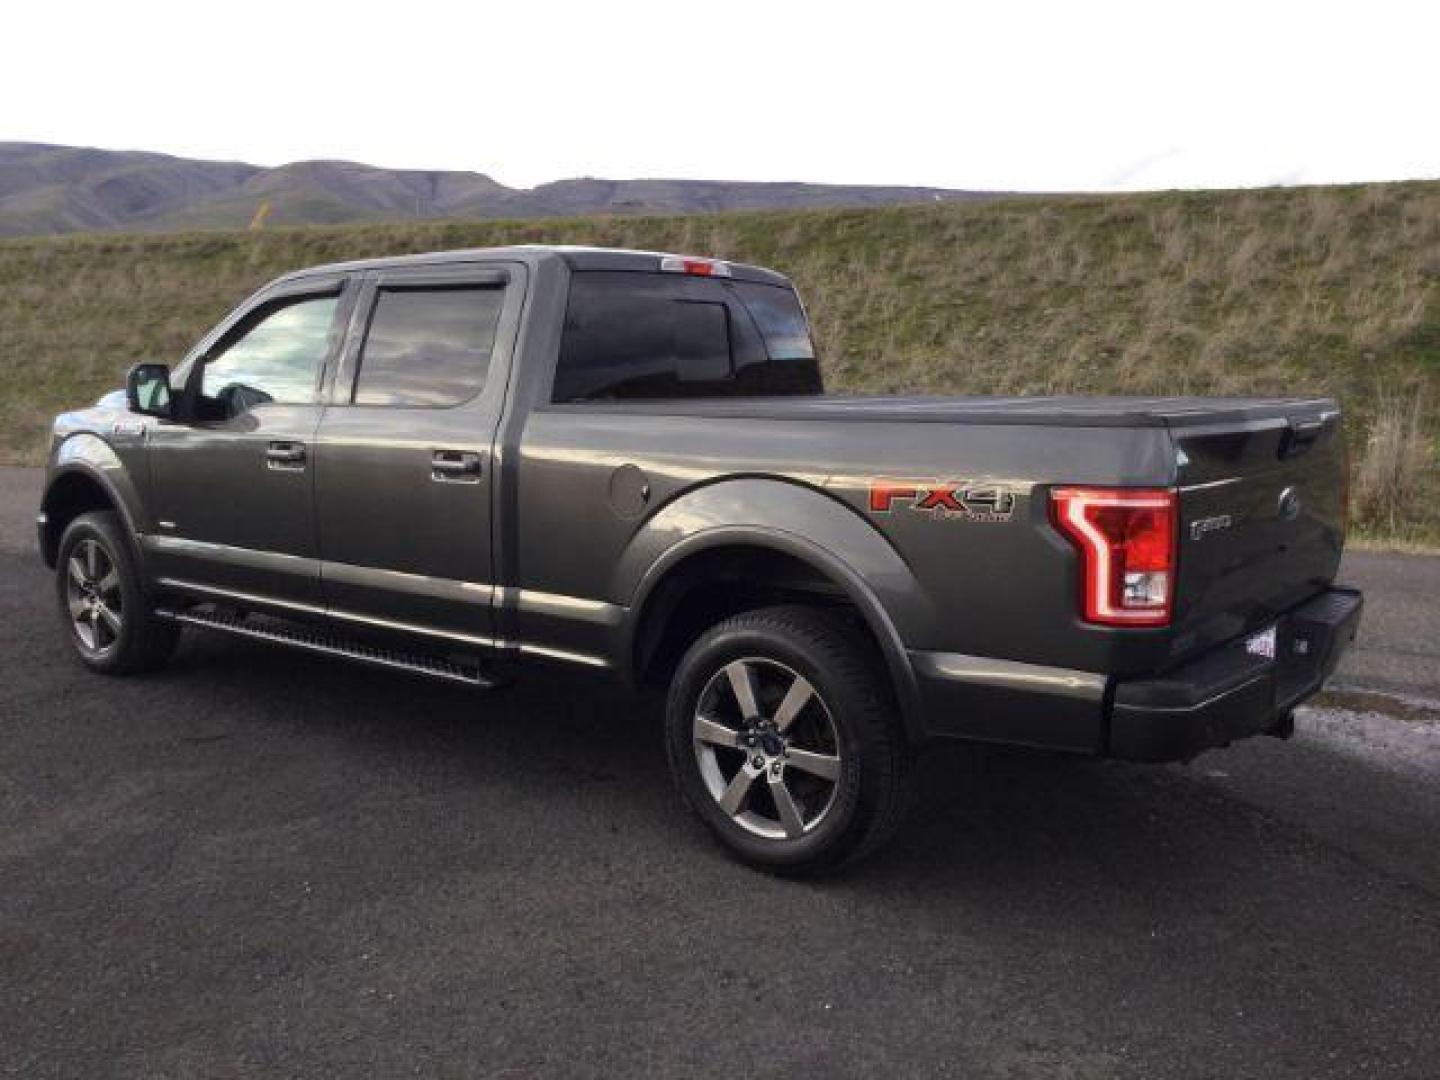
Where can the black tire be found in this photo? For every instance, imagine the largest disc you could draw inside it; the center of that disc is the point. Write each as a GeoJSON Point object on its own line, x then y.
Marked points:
{"type": "Point", "coordinates": [124, 637]}
{"type": "Point", "coordinates": [851, 711]}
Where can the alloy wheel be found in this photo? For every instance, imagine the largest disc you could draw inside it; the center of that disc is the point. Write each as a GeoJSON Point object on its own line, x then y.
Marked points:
{"type": "Point", "coordinates": [767, 748]}
{"type": "Point", "coordinates": [92, 593]}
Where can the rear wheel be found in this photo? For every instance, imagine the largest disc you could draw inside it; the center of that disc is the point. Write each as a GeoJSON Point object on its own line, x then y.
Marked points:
{"type": "Point", "coordinates": [108, 616]}
{"type": "Point", "coordinates": [783, 737]}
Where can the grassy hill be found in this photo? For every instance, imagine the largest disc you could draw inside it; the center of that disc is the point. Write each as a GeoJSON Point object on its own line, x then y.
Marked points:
{"type": "Point", "coordinates": [1333, 290]}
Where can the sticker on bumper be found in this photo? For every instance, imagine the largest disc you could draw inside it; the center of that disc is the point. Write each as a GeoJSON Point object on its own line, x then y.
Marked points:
{"type": "Point", "coordinates": [1262, 644]}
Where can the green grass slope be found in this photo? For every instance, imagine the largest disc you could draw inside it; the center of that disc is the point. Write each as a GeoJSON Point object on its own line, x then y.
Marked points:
{"type": "Point", "coordinates": [1333, 290]}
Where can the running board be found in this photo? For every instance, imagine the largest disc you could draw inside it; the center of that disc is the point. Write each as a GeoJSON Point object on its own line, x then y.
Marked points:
{"type": "Point", "coordinates": [318, 641]}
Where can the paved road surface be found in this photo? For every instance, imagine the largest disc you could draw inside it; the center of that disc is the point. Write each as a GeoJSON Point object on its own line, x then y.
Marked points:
{"type": "Point", "coordinates": [256, 863]}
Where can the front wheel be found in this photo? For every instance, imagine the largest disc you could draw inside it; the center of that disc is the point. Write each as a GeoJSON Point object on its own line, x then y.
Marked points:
{"type": "Point", "coordinates": [107, 615]}
{"type": "Point", "coordinates": [782, 735]}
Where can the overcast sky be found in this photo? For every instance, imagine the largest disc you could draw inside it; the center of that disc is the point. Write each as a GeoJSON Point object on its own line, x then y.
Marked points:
{"type": "Point", "coordinates": [1001, 95]}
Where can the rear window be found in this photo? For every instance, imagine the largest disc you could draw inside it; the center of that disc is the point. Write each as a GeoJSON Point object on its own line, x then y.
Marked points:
{"type": "Point", "coordinates": [780, 319]}
{"type": "Point", "coordinates": [630, 335]}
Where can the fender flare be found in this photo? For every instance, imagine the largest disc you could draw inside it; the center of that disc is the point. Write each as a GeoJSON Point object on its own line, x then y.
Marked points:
{"type": "Point", "coordinates": [87, 455]}
{"type": "Point", "coordinates": [782, 516]}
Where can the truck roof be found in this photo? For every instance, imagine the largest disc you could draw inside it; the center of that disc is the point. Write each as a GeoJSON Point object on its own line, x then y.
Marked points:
{"type": "Point", "coordinates": [575, 256]}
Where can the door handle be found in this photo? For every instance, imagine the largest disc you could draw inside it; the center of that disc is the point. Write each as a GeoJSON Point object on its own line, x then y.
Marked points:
{"type": "Point", "coordinates": [455, 466]}
{"type": "Point", "coordinates": [288, 456]}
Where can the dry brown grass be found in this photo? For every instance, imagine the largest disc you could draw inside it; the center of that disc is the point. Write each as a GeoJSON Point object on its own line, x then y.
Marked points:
{"type": "Point", "coordinates": [1396, 465]}
{"type": "Point", "coordinates": [1321, 290]}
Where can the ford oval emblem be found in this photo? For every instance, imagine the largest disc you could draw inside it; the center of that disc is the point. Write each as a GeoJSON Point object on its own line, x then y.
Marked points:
{"type": "Point", "coordinates": [1289, 504]}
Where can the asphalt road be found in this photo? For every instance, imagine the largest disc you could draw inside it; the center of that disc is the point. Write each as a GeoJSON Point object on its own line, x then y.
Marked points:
{"type": "Point", "coordinates": [259, 863]}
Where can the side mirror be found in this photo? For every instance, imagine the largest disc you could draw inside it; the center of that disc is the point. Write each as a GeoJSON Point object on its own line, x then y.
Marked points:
{"type": "Point", "coordinates": [147, 390]}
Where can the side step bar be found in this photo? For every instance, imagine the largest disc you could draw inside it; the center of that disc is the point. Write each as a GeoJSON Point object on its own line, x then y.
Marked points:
{"type": "Point", "coordinates": [318, 641]}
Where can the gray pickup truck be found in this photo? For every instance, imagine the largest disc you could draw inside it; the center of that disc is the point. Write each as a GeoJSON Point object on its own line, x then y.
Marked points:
{"type": "Point", "coordinates": [622, 460]}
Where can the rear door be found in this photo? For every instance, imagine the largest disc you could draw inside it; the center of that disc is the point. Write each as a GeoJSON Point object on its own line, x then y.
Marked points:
{"type": "Point", "coordinates": [404, 477]}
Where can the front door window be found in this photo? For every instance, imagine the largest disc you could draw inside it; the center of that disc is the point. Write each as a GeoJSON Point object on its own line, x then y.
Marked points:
{"type": "Point", "coordinates": [277, 359]}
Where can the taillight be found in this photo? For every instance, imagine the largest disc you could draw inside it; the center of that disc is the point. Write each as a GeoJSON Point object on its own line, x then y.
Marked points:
{"type": "Point", "coordinates": [1126, 538]}
{"type": "Point", "coordinates": [685, 264]}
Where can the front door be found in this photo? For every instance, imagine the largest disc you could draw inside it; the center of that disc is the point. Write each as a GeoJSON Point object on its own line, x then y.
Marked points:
{"type": "Point", "coordinates": [404, 472]}
{"type": "Point", "coordinates": [233, 478]}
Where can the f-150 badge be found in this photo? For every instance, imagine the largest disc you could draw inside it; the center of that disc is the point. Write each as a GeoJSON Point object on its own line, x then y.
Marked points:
{"type": "Point", "coordinates": [951, 499]}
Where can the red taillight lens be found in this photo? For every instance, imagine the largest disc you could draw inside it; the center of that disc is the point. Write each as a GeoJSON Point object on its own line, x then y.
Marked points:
{"type": "Point", "coordinates": [1126, 538]}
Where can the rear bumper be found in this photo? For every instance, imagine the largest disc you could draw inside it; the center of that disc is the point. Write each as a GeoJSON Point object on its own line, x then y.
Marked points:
{"type": "Point", "coordinates": [1226, 694]}
{"type": "Point", "coordinates": [1230, 692]}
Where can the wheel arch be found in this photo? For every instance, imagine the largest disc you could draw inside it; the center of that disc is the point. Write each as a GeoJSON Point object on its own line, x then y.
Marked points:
{"type": "Point", "coordinates": [766, 527]}
{"type": "Point", "coordinates": [87, 476]}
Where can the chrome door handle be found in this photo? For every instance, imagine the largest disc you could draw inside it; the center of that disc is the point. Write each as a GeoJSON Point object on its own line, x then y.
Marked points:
{"type": "Point", "coordinates": [285, 455]}
{"type": "Point", "coordinates": [455, 466]}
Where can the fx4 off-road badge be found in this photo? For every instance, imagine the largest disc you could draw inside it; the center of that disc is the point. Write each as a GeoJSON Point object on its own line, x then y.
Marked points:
{"type": "Point", "coordinates": [951, 499]}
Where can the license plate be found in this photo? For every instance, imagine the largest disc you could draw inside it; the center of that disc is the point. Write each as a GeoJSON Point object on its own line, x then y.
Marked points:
{"type": "Point", "coordinates": [1262, 644]}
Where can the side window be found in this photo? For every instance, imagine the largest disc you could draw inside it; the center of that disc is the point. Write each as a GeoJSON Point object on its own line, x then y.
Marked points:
{"type": "Point", "coordinates": [630, 335]}
{"type": "Point", "coordinates": [780, 318]}
{"type": "Point", "coordinates": [277, 359]}
{"type": "Point", "coordinates": [428, 346]}
{"type": "Point", "coordinates": [789, 365]}
{"type": "Point", "coordinates": [642, 336]}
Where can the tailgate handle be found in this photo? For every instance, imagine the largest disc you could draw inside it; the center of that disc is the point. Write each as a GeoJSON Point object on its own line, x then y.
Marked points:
{"type": "Point", "coordinates": [1300, 436]}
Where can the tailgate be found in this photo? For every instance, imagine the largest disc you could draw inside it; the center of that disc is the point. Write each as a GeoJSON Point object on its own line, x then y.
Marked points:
{"type": "Point", "coordinates": [1262, 515]}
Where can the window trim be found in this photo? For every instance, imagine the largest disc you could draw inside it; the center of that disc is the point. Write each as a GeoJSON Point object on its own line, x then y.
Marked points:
{"type": "Point", "coordinates": [346, 381]}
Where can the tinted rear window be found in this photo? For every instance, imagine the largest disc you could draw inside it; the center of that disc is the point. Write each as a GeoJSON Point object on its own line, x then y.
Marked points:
{"type": "Point", "coordinates": [630, 335]}
{"type": "Point", "coordinates": [428, 346]}
{"type": "Point", "coordinates": [780, 319]}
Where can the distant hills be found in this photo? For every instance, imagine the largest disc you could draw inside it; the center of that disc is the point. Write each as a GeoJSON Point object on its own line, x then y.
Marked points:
{"type": "Point", "coordinates": [56, 189]}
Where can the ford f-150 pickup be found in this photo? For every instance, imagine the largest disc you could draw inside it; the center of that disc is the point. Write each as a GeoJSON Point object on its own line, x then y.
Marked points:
{"type": "Point", "coordinates": [451, 463]}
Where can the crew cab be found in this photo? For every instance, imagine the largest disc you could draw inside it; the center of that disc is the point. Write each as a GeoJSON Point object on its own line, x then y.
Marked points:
{"type": "Point", "coordinates": [451, 464]}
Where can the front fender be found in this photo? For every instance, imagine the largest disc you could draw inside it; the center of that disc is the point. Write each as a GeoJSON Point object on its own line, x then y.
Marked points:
{"type": "Point", "coordinates": [86, 455]}
{"type": "Point", "coordinates": [798, 521]}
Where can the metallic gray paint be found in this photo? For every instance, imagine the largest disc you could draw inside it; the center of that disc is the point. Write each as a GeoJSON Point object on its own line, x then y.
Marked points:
{"type": "Point", "coordinates": [213, 481]}
{"type": "Point", "coordinates": [243, 561]}
{"type": "Point", "coordinates": [80, 455]}
{"type": "Point", "coordinates": [976, 697]}
{"type": "Point", "coordinates": [238, 596]}
{"type": "Point", "coordinates": [781, 517]}
{"type": "Point", "coordinates": [378, 503]}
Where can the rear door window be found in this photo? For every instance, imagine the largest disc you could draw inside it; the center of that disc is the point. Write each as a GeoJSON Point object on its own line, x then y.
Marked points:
{"type": "Point", "coordinates": [428, 346]}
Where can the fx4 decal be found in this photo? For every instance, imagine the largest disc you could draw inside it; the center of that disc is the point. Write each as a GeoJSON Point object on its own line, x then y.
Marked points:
{"type": "Point", "coordinates": [950, 499]}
